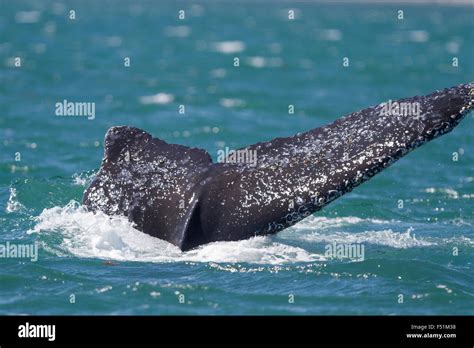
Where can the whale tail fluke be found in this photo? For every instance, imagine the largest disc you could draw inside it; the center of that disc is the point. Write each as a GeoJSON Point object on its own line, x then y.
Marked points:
{"type": "Point", "coordinates": [177, 194]}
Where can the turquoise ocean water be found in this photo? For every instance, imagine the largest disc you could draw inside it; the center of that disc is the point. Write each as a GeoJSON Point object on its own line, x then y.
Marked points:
{"type": "Point", "coordinates": [415, 219]}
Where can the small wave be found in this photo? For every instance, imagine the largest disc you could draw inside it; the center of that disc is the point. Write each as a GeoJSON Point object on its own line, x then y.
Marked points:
{"type": "Point", "coordinates": [96, 235]}
{"type": "Point", "coordinates": [450, 193]}
{"type": "Point", "coordinates": [447, 191]}
{"type": "Point", "coordinates": [399, 240]}
{"type": "Point", "coordinates": [83, 179]}
{"type": "Point", "coordinates": [321, 222]}
{"type": "Point", "coordinates": [319, 229]}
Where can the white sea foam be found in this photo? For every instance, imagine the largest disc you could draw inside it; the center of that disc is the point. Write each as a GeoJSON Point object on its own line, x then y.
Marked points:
{"type": "Point", "coordinates": [447, 191]}
{"type": "Point", "coordinates": [13, 205]}
{"type": "Point", "coordinates": [320, 230]}
{"type": "Point", "coordinates": [82, 179]}
{"type": "Point", "coordinates": [321, 222]}
{"type": "Point", "coordinates": [85, 234]}
{"type": "Point", "coordinates": [96, 235]}
{"type": "Point", "coordinates": [399, 240]}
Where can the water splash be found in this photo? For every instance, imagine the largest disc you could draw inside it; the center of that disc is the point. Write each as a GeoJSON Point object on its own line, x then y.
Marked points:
{"type": "Point", "coordinates": [399, 240]}
{"type": "Point", "coordinates": [96, 235]}
{"type": "Point", "coordinates": [13, 205]}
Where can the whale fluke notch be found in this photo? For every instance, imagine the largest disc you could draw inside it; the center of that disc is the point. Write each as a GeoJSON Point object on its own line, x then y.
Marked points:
{"type": "Point", "coordinates": [176, 193]}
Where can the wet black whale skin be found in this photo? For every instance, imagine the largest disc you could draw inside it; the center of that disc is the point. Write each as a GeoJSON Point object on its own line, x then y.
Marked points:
{"type": "Point", "coordinates": [177, 194]}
